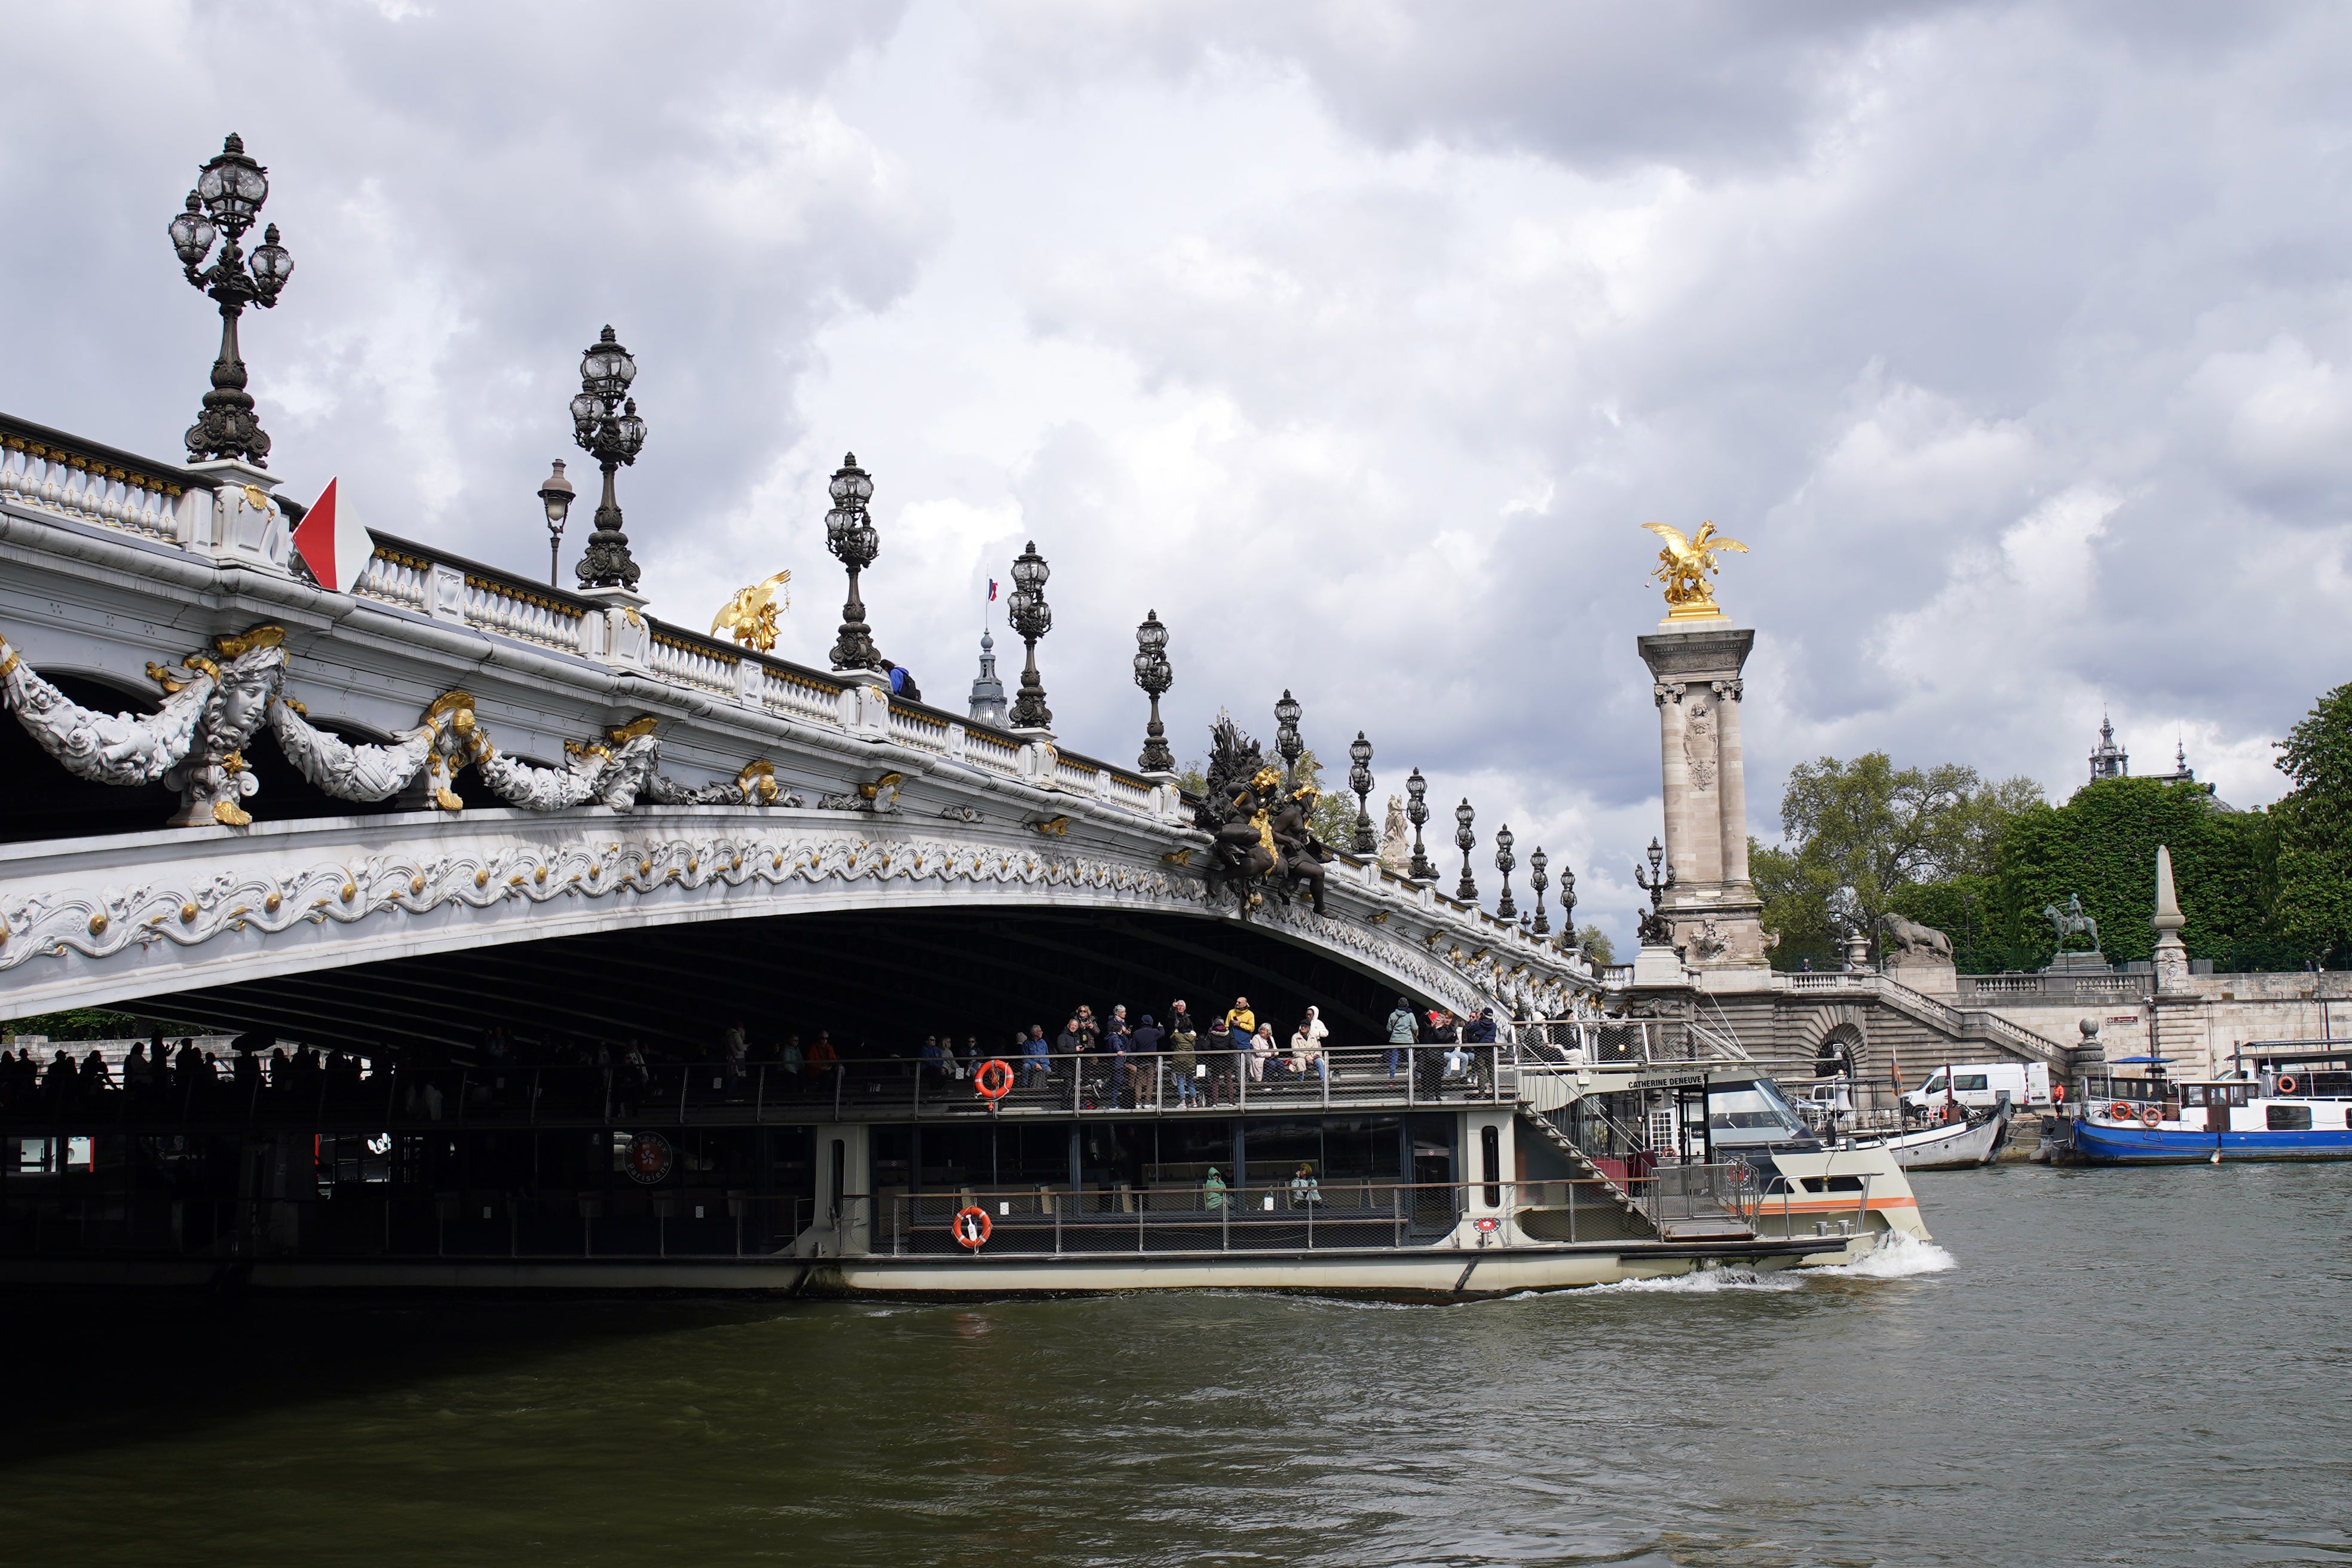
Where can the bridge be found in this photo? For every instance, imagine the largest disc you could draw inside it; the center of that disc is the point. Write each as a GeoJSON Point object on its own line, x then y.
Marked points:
{"type": "Point", "coordinates": [452, 796]}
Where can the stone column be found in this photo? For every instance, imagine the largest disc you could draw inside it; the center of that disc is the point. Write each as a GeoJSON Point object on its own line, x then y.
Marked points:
{"type": "Point", "coordinates": [1695, 669]}
{"type": "Point", "coordinates": [1732, 807]}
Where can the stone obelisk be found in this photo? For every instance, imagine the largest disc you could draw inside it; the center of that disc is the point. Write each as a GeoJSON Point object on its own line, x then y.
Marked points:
{"type": "Point", "coordinates": [1696, 657]}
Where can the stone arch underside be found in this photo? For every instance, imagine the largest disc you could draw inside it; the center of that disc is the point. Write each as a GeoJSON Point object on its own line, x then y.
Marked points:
{"type": "Point", "coordinates": [885, 976]}
{"type": "Point", "coordinates": [257, 926]}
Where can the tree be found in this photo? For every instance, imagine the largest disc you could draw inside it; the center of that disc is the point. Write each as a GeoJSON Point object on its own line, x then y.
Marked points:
{"type": "Point", "coordinates": [1335, 812]}
{"type": "Point", "coordinates": [2313, 910]}
{"type": "Point", "coordinates": [1596, 940]}
{"type": "Point", "coordinates": [1858, 837]}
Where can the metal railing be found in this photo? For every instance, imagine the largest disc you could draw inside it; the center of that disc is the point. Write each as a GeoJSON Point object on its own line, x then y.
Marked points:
{"type": "Point", "coordinates": [409, 1096]}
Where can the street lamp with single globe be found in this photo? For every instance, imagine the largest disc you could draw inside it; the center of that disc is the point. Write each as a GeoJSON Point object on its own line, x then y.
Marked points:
{"type": "Point", "coordinates": [1154, 674]}
{"type": "Point", "coordinates": [1285, 736]}
{"type": "Point", "coordinates": [850, 535]}
{"type": "Point", "coordinates": [227, 198]}
{"type": "Point", "coordinates": [1033, 617]}
{"type": "Point", "coordinates": [1467, 840]}
{"type": "Point", "coordinates": [555, 495]}
{"type": "Point", "coordinates": [605, 424]}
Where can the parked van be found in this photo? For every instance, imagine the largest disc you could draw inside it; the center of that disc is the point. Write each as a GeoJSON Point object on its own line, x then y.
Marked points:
{"type": "Point", "coordinates": [2025, 1085]}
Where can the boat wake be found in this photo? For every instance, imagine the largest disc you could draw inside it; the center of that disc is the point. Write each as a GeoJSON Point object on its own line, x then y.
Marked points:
{"type": "Point", "coordinates": [1896, 1257]}
{"type": "Point", "coordinates": [1705, 1283]}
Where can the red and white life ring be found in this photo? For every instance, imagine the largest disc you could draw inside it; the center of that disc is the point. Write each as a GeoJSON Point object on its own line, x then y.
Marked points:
{"type": "Point", "coordinates": [2149, 1115]}
{"type": "Point", "coordinates": [2119, 1111]}
{"type": "Point", "coordinates": [971, 1228]}
{"type": "Point", "coordinates": [2286, 1083]}
{"type": "Point", "coordinates": [992, 1082]}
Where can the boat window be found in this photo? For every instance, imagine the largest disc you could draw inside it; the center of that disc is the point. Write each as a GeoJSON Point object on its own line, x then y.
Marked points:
{"type": "Point", "coordinates": [2192, 1094]}
{"type": "Point", "coordinates": [1751, 1106]}
{"type": "Point", "coordinates": [2289, 1117]}
{"type": "Point", "coordinates": [1832, 1183]}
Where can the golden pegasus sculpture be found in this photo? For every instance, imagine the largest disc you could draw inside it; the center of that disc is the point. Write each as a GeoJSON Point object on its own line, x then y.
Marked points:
{"type": "Point", "coordinates": [750, 615]}
{"type": "Point", "coordinates": [1686, 564]}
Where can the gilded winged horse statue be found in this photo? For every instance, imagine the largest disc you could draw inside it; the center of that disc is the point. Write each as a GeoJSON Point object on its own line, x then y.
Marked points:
{"type": "Point", "coordinates": [1686, 564]}
{"type": "Point", "coordinates": [750, 615]}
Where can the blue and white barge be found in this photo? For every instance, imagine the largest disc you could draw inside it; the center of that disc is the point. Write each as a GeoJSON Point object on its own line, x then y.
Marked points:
{"type": "Point", "coordinates": [2284, 1100]}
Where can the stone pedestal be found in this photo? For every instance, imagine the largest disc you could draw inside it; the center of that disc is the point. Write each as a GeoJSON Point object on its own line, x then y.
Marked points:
{"type": "Point", "coordinates": [1931, 977]}
{"type": "Point", "coordinates": [1694, 672]}
{"type": "Point", "coordinates": [1658, 966]}
{"type": "Point", "coordinates": [2079, 963]}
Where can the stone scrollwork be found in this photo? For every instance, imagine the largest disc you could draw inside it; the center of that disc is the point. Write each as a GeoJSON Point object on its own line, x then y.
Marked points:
{"type": "Point", "coordinates": [616, 771]}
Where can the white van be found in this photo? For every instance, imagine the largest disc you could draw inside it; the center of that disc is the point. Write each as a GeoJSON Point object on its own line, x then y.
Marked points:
{"type": "Point", "coordinates": [2025, 1085]}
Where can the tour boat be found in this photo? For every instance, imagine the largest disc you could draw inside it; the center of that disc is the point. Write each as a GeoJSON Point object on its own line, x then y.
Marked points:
{"type": "Point", "coordinates": [2282, 1100]}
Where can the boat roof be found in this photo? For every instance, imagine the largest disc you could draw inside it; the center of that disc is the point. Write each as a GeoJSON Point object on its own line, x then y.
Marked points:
{"type": "Point", "coordinates": [2340, 1051]}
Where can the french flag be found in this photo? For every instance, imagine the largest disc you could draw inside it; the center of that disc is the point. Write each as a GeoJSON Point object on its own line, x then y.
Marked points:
{"type": "Point", "coordinates": [991, 590]}
{"type": "Point", "coordinates": [334, 543]}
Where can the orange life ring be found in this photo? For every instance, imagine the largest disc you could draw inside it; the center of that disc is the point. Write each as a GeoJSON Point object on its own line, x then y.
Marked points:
{"type": "Point", "coordinates": [992, 1082]}
{"type": "Point", "coordinates": [2149, 1115]}
{"type": "Point", "coordinates": [2119, 1111]}
{"type": "Point", "coordinates": [2286, 1083]}
{"type": "Point", "coordinates": [971, 1226]}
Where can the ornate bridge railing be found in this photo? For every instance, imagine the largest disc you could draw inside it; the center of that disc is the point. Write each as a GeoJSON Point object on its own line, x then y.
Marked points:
{"type": "Point", "coordinates": [92, 483]}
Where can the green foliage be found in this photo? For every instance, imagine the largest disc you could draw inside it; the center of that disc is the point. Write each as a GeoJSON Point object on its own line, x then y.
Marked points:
{"type": "Point", "coordinates": [79, 1024]}
{"type": "Point", "coordinates": [1335, 812]}
{"type": "Point", "coordinates": [1596, 940]}
{"type": "Point", "coordinates": [2313, 837]}
{"type": "Point", "coordinates": [1859, 836]}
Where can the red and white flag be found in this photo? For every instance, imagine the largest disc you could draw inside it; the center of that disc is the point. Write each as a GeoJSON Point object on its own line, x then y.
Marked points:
{"type": "Point", "coordinates": [334, 543]}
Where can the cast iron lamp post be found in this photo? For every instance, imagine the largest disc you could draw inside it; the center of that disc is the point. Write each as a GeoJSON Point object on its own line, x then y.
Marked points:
{"type": "Point", "coordinates": [1567, 907]}
{"type": "Point", "coordinates": [1152, 673]}
{"type": "Point", "coordinates": [227, 198]}
{"type": "Point", "coordinates": [1463, 817]}
{"type": "Point", "coordinates": [1286, 737]}
{"type": "Point", "coordinates": [605, 424]}
{"type": "Point", "coordinates": [1538, 881]}
{"type": "Point", "coordinates": [555, 495]}
{"type": "Point", "coordinates": [1416, 811]}
{"type": "Point", "coordinates": [1360, 779]}
{"type": "Point", "coordinates": [1033, 618]}
{"type": "Point", "coordinates": [1505, 862]}
{"type": "Point", "coordinates": [849, 533]}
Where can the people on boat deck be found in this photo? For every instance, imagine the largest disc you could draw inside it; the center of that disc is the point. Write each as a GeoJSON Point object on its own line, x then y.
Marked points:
{"type": "Point", "coordinates": [1183, 1058]}
{"type": "Point", "coordinates": [1303, 1188]}
{"type": "Point", "coordinates": [1404, 1029]}
{"type": "Point", "coordinates": [1261, 1051]}
{"type": "Point", "coordinates": [1239, 1016]}
{"type": "Point", "coordinates": [1212, 1191]}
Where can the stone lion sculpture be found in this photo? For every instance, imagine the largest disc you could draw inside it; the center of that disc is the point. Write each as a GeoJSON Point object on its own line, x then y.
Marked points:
{"type": "Point", "coordinates": [1914, 941]}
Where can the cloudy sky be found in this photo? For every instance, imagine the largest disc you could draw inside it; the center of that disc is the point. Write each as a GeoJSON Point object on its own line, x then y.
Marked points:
{"type": "Point", "coordinates": [1357, 339]}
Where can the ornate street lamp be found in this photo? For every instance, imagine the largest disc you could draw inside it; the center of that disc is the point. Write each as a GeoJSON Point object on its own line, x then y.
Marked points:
{"type": "Point", "coordinates": [849, 533]}
{"type": "Point", "coordinates": [1360, 779]}
{"type": "Point", "coordinates": [1567, 907]}
{"type": "Point", "coordinates": [1463, 817]}
{"type": "Point", "coordinates": [1416, 811]}
{"type": "Point", "coordinates": [1505, 861]}
{"type": "Point", "coordinates": [605, 424]}
{"type": "Point", "coordinates": [227, 198]}
{"type": "Point", "coordinates": [1152, 673]}
{"type": "Point", "coordinates": [555, 495]}
{"type": "Point", "coordinates": [1285, 736]}
{"type": "Point", "coordinates": [1537, 879]}
{"type": "Point", "coordinates": [1655, 929]}
{"type": "Point", "coordinates": [1033, 618]}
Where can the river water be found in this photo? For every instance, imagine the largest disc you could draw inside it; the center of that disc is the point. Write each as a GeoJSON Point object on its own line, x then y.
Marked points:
{"type": "Point", "coordinates": [2094, 1366]}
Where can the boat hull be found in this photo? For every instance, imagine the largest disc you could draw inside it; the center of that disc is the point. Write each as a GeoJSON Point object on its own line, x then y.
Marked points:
{"type": "Point", "coordinates": [2097, 1143]}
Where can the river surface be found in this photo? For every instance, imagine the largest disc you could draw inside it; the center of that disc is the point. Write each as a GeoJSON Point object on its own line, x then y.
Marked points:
{"type": "Point", "coordinates": [2095, 1366]}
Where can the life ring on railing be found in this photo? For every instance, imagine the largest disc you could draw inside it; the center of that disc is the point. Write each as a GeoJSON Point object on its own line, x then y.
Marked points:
{"type": "Point", "coordinates": [2286, 1083]}
{"type": "Point", "coordinates": [2119, 1111]}
{"type": "Point", "coordinates": [994, 1080]}
{"type": "Point", "coordinates": [971, 1228]}
{"type": "Point", "coordinates": [2149, 1115]}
